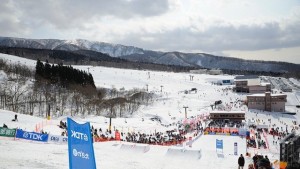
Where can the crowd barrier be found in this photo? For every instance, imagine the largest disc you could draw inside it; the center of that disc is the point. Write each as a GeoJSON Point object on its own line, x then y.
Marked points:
{"type": "Point", "coordinates": [170, 143]}
{"type": "Point", "coordinates": [197, 137]}
{"type": "Point", "coordinates": [32, 136]}
{"type": "Point", "coordinates": [192, 140]}
{"type": "Point", "coordinates": [102, 139]}
{"type": "Point", "coordinates": [265, 136]}
{"type": "Point", "coordinates": [6, 132]}
{"type": "Point", "coordinates": [216, 133]}
{"type": "Point", "coordinates": [49, 138]}
{"type": "Point", "coordinates": [57, 139]}
{"type": "Point", "coordinates": [226, 131]}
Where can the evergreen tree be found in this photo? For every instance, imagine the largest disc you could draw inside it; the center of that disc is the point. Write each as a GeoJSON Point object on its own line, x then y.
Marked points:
{"type": "Point", "coordinates": [48, 70]}
{"type": "Point", "coordinates": [39, 68]}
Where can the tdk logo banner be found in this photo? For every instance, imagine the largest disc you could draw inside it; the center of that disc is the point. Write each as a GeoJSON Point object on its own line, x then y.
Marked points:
{"type": "Point", "coordinates": [31, 136]}
{"type": "Point", "coordinates": [80, 146]}
{"type": "Point", "coordinates": [78, 135]}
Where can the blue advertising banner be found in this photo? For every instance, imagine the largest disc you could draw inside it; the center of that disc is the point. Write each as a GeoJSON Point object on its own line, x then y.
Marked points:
{"type": "Point", "coordinates": [219, 144]}
{"type": "Point", "coordinates": [31, 136]}
{"type": "Point", "coordinates": [81, 150]}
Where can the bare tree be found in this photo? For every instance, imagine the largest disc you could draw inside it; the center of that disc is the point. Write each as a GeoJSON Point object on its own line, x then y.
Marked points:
{"type": "Point", "coordinates": [16, 91]}
{"type": "Point", "coordinates": [3, 94]}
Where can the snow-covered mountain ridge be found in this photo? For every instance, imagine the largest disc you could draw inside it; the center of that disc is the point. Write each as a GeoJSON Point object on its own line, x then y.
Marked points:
{"type": "Point", "coordinates": [135, 54]}
{"type": "Point", "coordinates": [114, 50]}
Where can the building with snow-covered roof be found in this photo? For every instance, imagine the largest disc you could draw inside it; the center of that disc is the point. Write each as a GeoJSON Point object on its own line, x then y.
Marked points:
{"type": "Point", "coordinates": [225, 82]}
{"type": "Point", "coordinates": [206, 71]}
{"type": "Point", "coordinates": [267, 101]}
{"type": "Point", "coordinates": [214, 72]}
{"type": "Point", "coordinates": [262, 88]}
{"type": "Point", "coordinates": [243, 77]}
{"type": "Point", "coordinates": [250, 84]}
{"type": "Point", "coordinates": [199, 71]}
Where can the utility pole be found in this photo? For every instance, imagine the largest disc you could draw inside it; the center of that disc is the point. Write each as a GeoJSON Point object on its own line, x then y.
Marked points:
{"type": "Point", "coordinates": [109, 127]}
{"type": "Point", "coordinates": [110, 116]}
{"type": "Point", "coordinates": [48, 113]}
{"type": "Point", "coordinates": [147, 87]}
{"type": "Point", "coordinates": [185, 107]}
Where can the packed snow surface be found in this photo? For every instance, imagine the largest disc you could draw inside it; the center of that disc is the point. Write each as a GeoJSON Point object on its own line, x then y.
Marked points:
{"type": "Point", "coordinates": [170, 87]}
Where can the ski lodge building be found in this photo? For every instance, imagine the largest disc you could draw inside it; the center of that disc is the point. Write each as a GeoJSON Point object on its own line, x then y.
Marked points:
{"type": "Point", "coordinates": [267, 101]}
{"type": "Point", "coordinates": [250, 84]}
{"type": "Point", "coordinates": [227, 115]}
{"type": "Point", "coordinates": [206, 71]}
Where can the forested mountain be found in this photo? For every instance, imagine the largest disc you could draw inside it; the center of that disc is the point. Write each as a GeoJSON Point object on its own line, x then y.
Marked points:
{"type": "Point", "coordinates": [87, 57]}
{"type": "Point", "coordinates": [55, 56]}
{"type": "Point", "coordinates": [90, 51]}
{"type": "Point", "coordinates": [212, 62]}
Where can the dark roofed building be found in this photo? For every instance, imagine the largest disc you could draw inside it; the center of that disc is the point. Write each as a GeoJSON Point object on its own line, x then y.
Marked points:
{"type": "Point", "coordinates": [267, 102]}
{"type": "Point", "coordinates": [246, 77]}
{"type": "Point", "coordinates": [231, 115]}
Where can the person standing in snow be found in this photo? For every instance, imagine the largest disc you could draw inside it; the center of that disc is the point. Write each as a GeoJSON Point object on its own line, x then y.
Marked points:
{"type": "Point", "coordinates": [241, 162]}
{"type": "Point", "coordinates": [16, 118]}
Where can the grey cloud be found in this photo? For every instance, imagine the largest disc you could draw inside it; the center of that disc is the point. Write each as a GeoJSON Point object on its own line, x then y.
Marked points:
{"type": "Point", "coordinates": [220, 38]}
{"type": "Point", "coordinates": [18, 18]}
{"type": "Point", "coordinates": [74, 13]}
{"type": "Point", "coordinates": [10, 27]}
{"type": "Point", "coordinates": [150, 8]}
{"type": "Point", "coordinates": [9, 21]}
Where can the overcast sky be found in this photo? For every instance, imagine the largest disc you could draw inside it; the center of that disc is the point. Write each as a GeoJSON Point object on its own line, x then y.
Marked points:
{"type": "Point", "coordinates": [250, 29]}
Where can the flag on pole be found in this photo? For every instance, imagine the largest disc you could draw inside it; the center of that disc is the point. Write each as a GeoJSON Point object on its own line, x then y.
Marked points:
{"type": "Point", "coordinates": [80, 146]}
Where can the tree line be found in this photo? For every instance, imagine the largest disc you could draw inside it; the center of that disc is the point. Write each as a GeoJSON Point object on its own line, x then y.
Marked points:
{"type": "Point", "coordinates": [86, 57]}
{"type": "Point", "coordinates": [28, 91]}
{"type": "Point", "coordinates": [63, 75]}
